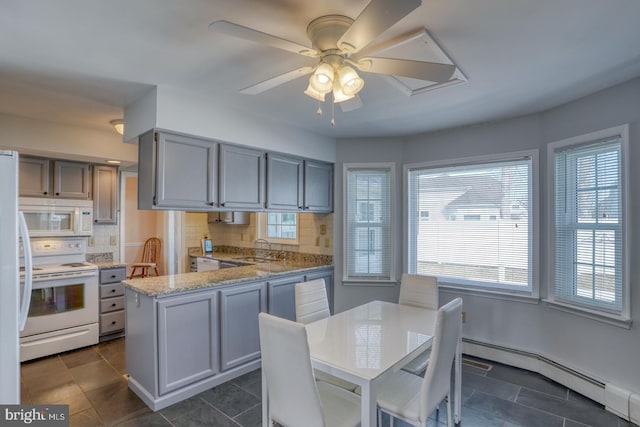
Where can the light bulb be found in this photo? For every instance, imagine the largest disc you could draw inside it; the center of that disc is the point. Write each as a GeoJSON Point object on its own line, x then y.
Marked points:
{"type": "Point", "coordinates": [338, 93]}
{"type": "Point", "coordinates": [314, 93]}
{"type": "Point", "coordinates": [322, 79]}
{"type": "Point", "coordinates": [350, 82]}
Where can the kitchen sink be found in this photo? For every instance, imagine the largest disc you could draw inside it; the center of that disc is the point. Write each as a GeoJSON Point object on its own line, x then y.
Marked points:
{"type": "Point", "coordinates": [257, 260]}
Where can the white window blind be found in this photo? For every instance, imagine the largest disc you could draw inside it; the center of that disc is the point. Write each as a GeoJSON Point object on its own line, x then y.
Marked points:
{"type": "Point", "coordinates": [367, 223]}
{"type": "Point", "coordinates": [588, 220]}
{"type": "Point", "coordinates": [471, 224]}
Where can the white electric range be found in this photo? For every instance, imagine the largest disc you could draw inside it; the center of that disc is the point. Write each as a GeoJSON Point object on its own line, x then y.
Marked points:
{"type": "Point", "coordinates": [63, 312]}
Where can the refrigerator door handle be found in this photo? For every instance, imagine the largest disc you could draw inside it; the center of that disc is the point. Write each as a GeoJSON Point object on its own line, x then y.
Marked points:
{"type": "Point", "coordinates": [28, 271]}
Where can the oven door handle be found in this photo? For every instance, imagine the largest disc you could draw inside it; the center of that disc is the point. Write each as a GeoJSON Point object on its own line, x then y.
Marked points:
{"type": "Point", "coordinates": [28, 270]}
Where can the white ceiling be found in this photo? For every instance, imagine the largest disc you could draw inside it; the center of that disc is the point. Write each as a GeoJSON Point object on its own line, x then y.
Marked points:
{"type": "Point", "coordinates": [80, 62]}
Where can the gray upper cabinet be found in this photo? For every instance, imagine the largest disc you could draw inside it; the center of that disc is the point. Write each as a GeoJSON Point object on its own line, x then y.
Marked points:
{"type": "Point", "coordinates": [70, 179]}
{"type": "Point", "coordinates": [176, 172]}
{"type": "Point", "coordinates": [285, 180]}
{"type": "Point", "coordinates": [43, 177]}
{"type": "Point", "coordinates": [242, 176]}
{"type": "Point", "coordinates": [318, 186]}
{"type": "Point", "coordinates": [296, 184]}
{"type": "Point", "coordinates": [34, 176]}
{"type": "Point", "coordinates": [105, 194]}
{"type": "Point", "coordinates": [239, 333]}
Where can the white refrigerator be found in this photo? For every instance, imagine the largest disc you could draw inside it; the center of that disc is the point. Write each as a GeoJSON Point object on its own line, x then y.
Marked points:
{"type": "Point", "coordinates": [14, 299]}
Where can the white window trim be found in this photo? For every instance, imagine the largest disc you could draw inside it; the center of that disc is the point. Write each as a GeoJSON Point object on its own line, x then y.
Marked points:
{"type": "Point", "coordinates": [392, 225]}
{"type": "Point", "coordinates": [261, 224]}
{"type": "Point", "coordinates": [624, 319]}
{"type": "Point", "coordinates": [489, 291]}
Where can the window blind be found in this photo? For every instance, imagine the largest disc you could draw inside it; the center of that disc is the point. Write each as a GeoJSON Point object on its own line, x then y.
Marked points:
{"type": "Point", "coordinates": [368, 218]}
{"type": "Point", "coordinates": [588, 225]}
{"type": "Point", "coordinates": [471, 224]}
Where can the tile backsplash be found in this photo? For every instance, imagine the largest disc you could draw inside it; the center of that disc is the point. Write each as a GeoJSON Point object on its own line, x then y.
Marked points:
{"type": "Point", "coordinates": [105, 241]}
{"type": "Point", "coordinates": [316, 233]}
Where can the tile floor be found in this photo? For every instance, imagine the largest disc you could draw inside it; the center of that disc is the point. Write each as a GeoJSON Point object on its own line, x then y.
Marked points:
{"type": "Point", "coordinates": [92, 382]}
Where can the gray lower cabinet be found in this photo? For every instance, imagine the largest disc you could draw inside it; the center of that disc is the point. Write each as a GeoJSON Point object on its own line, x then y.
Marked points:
{"type": "Point", "coordinates": [187, 340]}
{"type": "Point", "coordinates": [239, 334]}
{"type": "Point", "coordinates": [111, 302]}
{"type": "Point", "coordinates": [281, 296]}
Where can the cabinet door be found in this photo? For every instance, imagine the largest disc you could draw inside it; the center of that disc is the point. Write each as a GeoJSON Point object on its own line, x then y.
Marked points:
{"type": "Point", "coordinates": [284, 182]}
{"type": "Point", "coordinates": [105, 194]}
{"type": "Point", "coordinates": [71, 180]}
{"type": "Point", "coordinates": [318, 186]}
{"type": "Point", "coordinates": [327, 275]}
{"type": "Point", "coordinates": [187, 339]}
{"type": "Point", "coordinates": [239, 334]}
{"type": "Point", "coordinates": [185, 174]}
{"type": "Point", "coordinates": [282, 298]}
{"type": "Point", "coordinates": [34, 176]}
{"type": "Point", "coordinates": [242, 175]}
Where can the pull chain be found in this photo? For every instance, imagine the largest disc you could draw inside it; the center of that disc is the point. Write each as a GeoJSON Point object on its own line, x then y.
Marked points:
{"type": "Point", "coordinates": [333, 122]}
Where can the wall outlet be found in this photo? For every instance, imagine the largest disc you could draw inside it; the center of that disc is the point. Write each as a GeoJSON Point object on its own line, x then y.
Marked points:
{"type": "Point", "coordinates": [326, 242]}
{"type": "Point", "coordinates": [113, 240]}
{"type": "Point", "coordinates": [323, 229]}
{"type": "Point", "coordinates": [317, 241]}
{"type": "Point", "coordinates": [464, 317]}
{"type": "Point", "coordinates": [91, 241]}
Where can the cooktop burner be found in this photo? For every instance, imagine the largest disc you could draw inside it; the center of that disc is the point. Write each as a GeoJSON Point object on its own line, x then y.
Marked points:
{"type": "Point", "coordinates": [74, 264]}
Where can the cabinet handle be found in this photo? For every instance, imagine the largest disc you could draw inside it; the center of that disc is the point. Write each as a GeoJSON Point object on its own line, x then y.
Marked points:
{"type": "Point", "coordinates": [113, 305]}
{"type": "Point", "coordinates": [222, 204]}
{"type": "Point", "coordinates": [210, 203]}
{"type": "Point", "coordinates": [57, 194]}
{"type": "Point", "coordinates": [113, 290]}
{"type": "Point", "coordinates": [113, 276]}
{"type": "Point", "coordinates": [46, 192]}
{"type": "Point", "coordinates": [95, 220]}
{"type": "Point", "coordinates": [113, 322]}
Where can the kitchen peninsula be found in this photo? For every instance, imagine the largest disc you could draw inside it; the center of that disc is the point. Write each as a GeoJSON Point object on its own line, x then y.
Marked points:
{"type": "Point", "coordinates": [189, 332]}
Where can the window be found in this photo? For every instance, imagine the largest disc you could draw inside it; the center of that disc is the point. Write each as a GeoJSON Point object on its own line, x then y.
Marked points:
{"type": "Point", "coordinates": [480, 229]}
{"type": "Point", "coordinates": [589, 222]}
{"type": "Point", "coordinates": [368, 235]}
{"type": "Point", "coordinates": [278, 227]}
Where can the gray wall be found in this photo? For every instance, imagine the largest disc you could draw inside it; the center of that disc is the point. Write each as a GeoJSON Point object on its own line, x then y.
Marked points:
{"type": "Point", "coordinates": [607, 352]}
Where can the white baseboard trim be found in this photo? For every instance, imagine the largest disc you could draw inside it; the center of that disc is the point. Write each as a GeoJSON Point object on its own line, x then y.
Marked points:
{"type": "Point", "coordinates": [621, 402]}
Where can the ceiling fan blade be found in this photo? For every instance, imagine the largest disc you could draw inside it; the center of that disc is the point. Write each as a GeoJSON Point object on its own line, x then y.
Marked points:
{"type": "Point", "coordinates": [375, 19]}
{"type": "Point", "coordinates": [351, 104]}
{"type": "Point", "coordinates": [276, 81]}
{"type": "Point", "coordinates": [245, 33]}
{"type": "Point", "coordinates": [390, 44]}
{"type": "Point", "coordinates": [430, 71]}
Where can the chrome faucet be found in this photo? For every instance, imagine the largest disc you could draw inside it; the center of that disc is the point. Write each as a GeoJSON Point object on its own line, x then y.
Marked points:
{"type": "Point", "coordinates": [259, 248]}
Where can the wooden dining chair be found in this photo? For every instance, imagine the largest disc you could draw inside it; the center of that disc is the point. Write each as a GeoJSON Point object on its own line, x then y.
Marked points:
{"type": "Point", "coordinates": [397, 394]}
{"type": "Point", "coordinates": [149, 260]}
{"type": "Point", "coordinates": [419, 291]}
{"type": "Point", "coordinates": [294, 398]}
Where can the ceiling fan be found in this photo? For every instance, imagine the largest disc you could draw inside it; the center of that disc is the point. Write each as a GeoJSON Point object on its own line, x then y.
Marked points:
{"type": "Point", "coordinates": [342, 45]}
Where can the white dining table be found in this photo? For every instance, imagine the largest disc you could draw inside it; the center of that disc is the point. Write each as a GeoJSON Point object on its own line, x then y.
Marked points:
{"type": "Point", "coordinates": [367, 343]}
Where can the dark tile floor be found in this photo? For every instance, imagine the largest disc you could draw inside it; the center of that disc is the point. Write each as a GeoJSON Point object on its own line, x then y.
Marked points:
{"type": "Point", "coordinates": [92, 382]}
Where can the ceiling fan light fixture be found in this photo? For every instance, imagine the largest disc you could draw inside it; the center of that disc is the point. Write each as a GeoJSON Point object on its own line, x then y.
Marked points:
{"type": "Point", "coordinates": [314, 93]}
{"type": "Point", "coordinates": [350, 81]}
{"type": "Point", "coordinates": [322, 78]}
{"type": "Point", "coordinates": [338, 93]}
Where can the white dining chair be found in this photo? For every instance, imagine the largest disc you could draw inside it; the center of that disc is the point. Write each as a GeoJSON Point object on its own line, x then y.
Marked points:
{"type": "Point", "coordinates": [412, 398]}
{"type": "Point", "coordinates": [294, 398]}
{"type": "Point", "coordinates": [312, 304]}
{"type": "Point", "coordinates": [419, 291]}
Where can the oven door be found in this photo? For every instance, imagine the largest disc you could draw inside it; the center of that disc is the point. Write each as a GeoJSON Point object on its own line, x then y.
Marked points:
{"type": "Point", "coordinates": [62, 302]}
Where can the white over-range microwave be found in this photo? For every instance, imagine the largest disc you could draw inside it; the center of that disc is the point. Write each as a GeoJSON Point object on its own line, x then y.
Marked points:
{"type": "Point", "coordinates": [57, 217]}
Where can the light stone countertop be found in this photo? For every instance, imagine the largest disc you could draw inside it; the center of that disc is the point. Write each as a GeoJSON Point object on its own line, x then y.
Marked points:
{"type": "Point", "coordinates": [177, 283]}
{"type": "Point", "coordinates": [109, 264]}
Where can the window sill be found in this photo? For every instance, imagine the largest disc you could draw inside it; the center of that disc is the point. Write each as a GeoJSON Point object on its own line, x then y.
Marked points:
{"type": "Point", "coordinates": [365, 282]}
{"type": "Point", "coordinates": [493, 294]}
{"type": "Point", "coordinates": [611, 319]}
